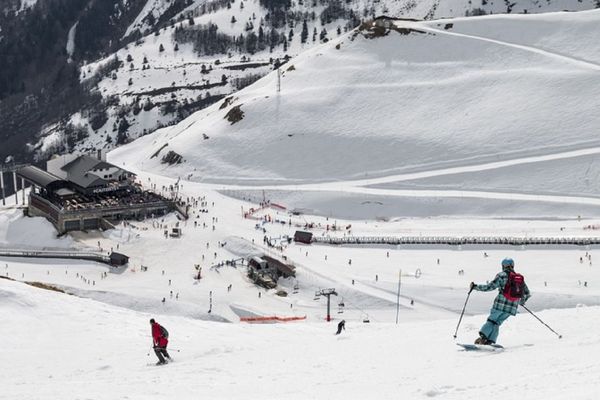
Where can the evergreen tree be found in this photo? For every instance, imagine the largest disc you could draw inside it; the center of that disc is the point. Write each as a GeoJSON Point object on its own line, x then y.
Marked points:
{"type": "Point", "coordinates": [251, 43]}
{"type": "Point", "coordinates": [261, 38]}
{"type": "Point", "coordinates": [304, 34]}
{"type": "Point", "coordinates": [323, 35]}
{"type": "Point", "coordinates": [161, 48]}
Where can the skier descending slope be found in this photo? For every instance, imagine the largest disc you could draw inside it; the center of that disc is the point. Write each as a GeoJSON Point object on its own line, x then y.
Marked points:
{"type": "Point", "coordinates": [341, 325]}
{"type": "Point", "coordinates": [512, 291]}
{"type": "Point", "coordinates": [160, 340]}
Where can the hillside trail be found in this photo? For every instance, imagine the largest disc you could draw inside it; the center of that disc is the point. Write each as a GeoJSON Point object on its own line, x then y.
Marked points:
{"type": "Point", "coordinates": [365, 186]}
{"type": "Point", "coordinates": [547, 53]}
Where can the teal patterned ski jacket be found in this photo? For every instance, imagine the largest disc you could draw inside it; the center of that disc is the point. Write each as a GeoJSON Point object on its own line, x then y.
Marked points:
{"type": "Point", "coordinates": [501, 303]}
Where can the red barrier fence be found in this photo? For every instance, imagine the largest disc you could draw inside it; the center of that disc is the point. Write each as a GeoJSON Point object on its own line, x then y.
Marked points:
{"type": "Point", "coordinates": [271, 319]}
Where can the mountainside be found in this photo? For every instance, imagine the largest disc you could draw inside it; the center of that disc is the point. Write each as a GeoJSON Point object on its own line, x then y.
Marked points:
{"type": "Point", "coordinates": [139, 88]}
{"type": "Point", "coordinates": [40, 55]}
{"type": "Point", "coordinates": [383, 102]}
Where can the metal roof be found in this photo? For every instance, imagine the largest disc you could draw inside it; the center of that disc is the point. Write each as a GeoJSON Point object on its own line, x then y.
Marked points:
{"type": "Point", "coordinates": [85, 163]}
{"type": "Point", "coordinates": [87, 180]}
{"type": "Point", "coordinates": [37, 176]}
{"type": "Point", "coordinates": [78, 171]}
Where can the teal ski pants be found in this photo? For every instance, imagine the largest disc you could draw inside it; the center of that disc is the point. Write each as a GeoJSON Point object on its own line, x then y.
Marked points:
{"type": "Point", "coordinates": [491, 328]}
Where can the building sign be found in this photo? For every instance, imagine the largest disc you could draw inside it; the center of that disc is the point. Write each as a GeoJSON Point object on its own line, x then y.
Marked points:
{"type": "Point", "coordinates": [106, 189]}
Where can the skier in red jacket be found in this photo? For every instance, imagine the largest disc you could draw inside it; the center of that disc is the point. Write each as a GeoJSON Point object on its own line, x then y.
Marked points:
{"type": "Point", "coordinates": [160, 341]}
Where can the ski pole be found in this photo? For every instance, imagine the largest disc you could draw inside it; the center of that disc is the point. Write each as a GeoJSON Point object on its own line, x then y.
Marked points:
{"type": "Point", "coordinates": [177, 350]}
{"type": "Point", "coordinates": [538, 318]}
{"type": "Point", "coordinates": [462, 313]}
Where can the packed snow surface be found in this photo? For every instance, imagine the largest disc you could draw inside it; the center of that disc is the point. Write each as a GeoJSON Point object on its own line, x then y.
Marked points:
{"type": "Point", "coordinates": [95, 343]}
{"type": "Point", "coordinates": [64, 347]}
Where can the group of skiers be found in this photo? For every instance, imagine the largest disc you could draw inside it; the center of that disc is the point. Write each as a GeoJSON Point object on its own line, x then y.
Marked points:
{"type": "Point", "coordinates": [512, 292]}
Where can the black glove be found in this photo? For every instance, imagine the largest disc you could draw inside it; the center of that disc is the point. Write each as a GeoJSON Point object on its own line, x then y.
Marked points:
{"type": "Point", "coordinates": [472, 286]}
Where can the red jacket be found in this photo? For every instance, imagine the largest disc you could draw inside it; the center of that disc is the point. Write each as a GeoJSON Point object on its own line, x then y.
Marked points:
{"type": "Point", "coordinates": [157, 337]}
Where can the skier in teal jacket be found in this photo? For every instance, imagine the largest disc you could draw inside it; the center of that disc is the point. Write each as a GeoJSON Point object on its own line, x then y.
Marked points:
{"type": "Point", "coordinates": [503, 307]}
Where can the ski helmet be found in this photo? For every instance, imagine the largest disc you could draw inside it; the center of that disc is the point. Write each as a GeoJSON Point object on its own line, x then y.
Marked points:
{"type": "Point", "coordinates": [152, 320]}
{"type": "Point", "coordinates": [508, 263]}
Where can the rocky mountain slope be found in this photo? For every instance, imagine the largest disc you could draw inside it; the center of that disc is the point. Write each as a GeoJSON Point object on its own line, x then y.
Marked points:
{"type": "Point", "coordinates": [81, 75]}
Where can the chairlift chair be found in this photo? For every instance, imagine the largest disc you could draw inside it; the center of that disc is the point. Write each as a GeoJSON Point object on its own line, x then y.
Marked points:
{"type": "Point", "coordinates": [341, 306]}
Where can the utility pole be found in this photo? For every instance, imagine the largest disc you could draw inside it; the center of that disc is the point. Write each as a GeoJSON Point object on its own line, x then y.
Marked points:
{"type": "Point", "coordinates": [15, 187]}
{"type": "Point", "coordinates": [9, 167]}
{"type": "Point", "coordinates": [2, 186]}
{"type": "Point", "coordinates": [398, 298]}
{"type": "Point", "coordinates": [278, 80]}
{"type": "Point", "coordinates": [23, 190]}
{"type": "Point", "coordinates": [328, 293]}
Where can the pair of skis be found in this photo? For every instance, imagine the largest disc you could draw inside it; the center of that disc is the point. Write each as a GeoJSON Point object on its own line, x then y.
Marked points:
{"type": "Point", "coordinates": [481, 347]}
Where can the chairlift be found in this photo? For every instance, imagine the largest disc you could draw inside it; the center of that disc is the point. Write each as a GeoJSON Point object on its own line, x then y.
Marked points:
{"type": "Point", "coordinates": [366, 319]}
{"type": "Point", "coordinates": [317, 296]}
{"type": "Point", "coordinates": [296, 288]}
{"type": "Point", "coordinates": [341, 306]}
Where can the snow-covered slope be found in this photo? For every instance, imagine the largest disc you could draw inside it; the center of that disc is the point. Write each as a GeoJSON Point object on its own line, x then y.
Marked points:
{"type": "Point", "coordinates": [427, 96]}
{"type": "Point", "coordinates": [19, 232]}
{"type": "Point", "coordinates": [141, 96]}
{"type": "Point", "coordinates": [61, 346]}
{"type": "Point", "coordinates": [430, 97]}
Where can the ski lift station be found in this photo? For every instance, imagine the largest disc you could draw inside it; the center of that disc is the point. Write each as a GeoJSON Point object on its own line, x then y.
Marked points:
{"type": "Point", "coordinates": [80, 192]}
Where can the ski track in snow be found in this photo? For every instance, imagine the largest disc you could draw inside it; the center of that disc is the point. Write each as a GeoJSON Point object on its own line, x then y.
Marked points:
{"type": "Point", "coordinates": [556, 56]}
{"type": "Point", "coordinates": [362, 186]}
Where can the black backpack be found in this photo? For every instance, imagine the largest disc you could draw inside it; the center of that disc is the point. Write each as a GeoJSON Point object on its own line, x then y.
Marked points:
{"type": "Point", "coordinates": [164, 332]}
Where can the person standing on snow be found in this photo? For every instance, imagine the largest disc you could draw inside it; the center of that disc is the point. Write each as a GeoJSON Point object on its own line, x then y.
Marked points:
{"type": "Point", "coordinates": [512, 291]}
{"type": "Point", "coordinates": [160, 341]}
